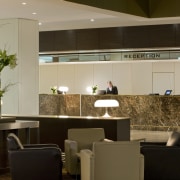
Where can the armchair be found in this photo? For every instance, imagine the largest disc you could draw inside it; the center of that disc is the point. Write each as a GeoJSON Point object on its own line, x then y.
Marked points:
{"type": "Point", "coordinates": [33, 162]}
{"type": "Point", "coordinates": [161, 159]}
{"type": "Point", "coordinates": [78, 139]}
{"type": "Point", "coordinates": [112, 160]}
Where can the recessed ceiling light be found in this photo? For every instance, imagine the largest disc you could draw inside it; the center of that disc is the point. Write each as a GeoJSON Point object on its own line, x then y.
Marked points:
{"type": "Point", "coordinates": [34, 13]}
{"type": "Point", "coordinates": [92, 20]}
{"type": "Point", "coordinates": [40, 23]}
{"type": "Point", "coordinates": [23, 3]}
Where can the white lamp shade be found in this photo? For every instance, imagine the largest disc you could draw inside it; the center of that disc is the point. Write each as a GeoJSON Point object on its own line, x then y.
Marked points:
{"type": "Point", "coordinates": [63, 89]}
{"type": "Point", "coordinates": [106, 103]}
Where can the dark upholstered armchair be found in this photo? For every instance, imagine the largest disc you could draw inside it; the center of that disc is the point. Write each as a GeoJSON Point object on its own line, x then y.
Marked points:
{"type": "Point", "coordinates": [33, 162]}
{"type": "Point", "coordinates": [161, 159]}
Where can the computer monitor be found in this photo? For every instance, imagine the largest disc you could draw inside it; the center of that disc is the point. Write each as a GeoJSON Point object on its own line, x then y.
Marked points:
{"type": "Point", "coordinates": [101, 92]}
{"type": "Point", "coordinates": [154, 94]}
{"type": "Point", "coordinates": [168, 92]}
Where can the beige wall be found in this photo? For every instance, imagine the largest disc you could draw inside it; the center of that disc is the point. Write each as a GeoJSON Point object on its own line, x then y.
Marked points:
{"type": "Point", "coordinates": [133, 78]}
{"type": "Point", "coordinates": [21, 36]}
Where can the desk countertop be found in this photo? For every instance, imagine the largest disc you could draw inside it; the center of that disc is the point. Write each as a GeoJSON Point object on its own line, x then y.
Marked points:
{"type": "Point", "coordinates": [19, 124]}
{"type": "Point", "coordinates": [28, 117]}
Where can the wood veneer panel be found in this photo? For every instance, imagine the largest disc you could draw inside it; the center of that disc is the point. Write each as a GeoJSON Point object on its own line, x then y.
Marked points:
{"type": "Point", "coordinates": [87, 39]}
{"type": "Point", "coordinates": [135, 37]}
{"type": "Point", "coordinates": [177, 27]}
{"type": "Point", "coordinates": [65, 40]}
{"type": "Point", "coordinates": [46, 41]}
{"type": "Point", "coordinates": [162, 36]}
{"type": "Point", "coordinates": [110, 38]}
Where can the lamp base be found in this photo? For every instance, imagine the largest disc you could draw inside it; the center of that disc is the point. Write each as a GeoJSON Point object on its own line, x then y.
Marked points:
{"type": "Point", "coordinates": [106, 115]}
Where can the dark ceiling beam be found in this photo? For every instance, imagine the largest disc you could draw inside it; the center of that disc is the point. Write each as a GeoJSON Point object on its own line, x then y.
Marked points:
{"type": "Point", "coordinates": [134, 7]}
{"type": "Point", "coordinates": [164, 8]}
{"type": "Point", "coordinates": [144, 8]}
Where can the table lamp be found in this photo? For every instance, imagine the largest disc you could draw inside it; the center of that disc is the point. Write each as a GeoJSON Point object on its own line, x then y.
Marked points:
{"type": "Point", "coordinates": [106, 103]}
{"type": "Point", "coordinates": [63, 89]}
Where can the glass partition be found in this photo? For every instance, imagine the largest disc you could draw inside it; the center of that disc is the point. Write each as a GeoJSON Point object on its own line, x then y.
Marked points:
{"type": "Point", "coordinates": [110, 56]}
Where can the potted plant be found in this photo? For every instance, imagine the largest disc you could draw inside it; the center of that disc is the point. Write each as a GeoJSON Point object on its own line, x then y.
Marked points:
{"type": "Point", "coordinates": [6, 60]}
{"type": "Point", "coordinates": [94, 89]}
{"type": "Point", "coordinates": [54, 89]}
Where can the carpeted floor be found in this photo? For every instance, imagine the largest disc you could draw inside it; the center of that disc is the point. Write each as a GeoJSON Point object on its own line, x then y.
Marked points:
{"type": "Point", "coordinates": [5, 177]}
{"type": "Point", "coordinates": [65, 177]}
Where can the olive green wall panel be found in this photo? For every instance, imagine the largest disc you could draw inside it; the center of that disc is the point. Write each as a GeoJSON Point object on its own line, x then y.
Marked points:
{"type": "Point", "coordinates": [164, 8]}
{"type": "Point", "coordinates": [144, 8]}
{"type": "Point", "coordinates": [135, 7]}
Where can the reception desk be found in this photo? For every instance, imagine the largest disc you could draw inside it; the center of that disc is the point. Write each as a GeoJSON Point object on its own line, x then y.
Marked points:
{"type": "Point", "coordinates": [53, 129]}
{"type": "Point", "coordinates": [58, 104]}
{"type": "Point", "coordinates": [147, 112]}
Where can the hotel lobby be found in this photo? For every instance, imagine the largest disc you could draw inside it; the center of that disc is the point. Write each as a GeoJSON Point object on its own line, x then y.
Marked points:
{"type": "Point", "coordinates": [133, 44]}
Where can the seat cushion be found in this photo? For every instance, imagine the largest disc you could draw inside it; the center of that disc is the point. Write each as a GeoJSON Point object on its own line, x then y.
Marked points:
{"type": "Point", "coordinates": [174, 139]}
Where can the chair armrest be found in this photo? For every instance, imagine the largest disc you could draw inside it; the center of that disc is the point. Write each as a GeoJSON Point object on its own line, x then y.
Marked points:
{"type": "Point", "coordinates": [107, 140]}
{"type": "Point", "coordinates": [71, 147]}
{"type": "Point", "coordinates": [152, 143]}
{"type": "Point", "coordinates": [36, 153]}
{"type": "Point", "coordinates": [71, 150]}
{"type": "Point", "coordinates": [40, 145]}
{"type": "Point", "coordinates": [86, 153]}
{"type": "Point", "coordinates": [141, 167]}
{"type": "Point", "coordinates": [154, 150]}
{"type": "Point", "coordinates": [87, 164]}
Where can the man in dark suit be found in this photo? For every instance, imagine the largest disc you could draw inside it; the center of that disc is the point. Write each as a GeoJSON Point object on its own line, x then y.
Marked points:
{"type": "Point", "coordinates": [111, 89]}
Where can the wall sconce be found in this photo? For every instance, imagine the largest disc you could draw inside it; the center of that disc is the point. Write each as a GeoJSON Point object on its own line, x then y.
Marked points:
{"type": "Point", "coordinates": [63, 90]}
{"type": "Point", "coordinates": [106, 103]}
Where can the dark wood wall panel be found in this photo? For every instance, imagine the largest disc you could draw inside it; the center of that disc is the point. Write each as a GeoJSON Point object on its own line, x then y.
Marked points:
{"type": "Point", "coordinates": [157, 36]}
{"type": "Point", "coordinates": [110, 38]}
{"type": "Point", "coordinates": [65, 40]}
{"type": "Point", "coordinates": [162, 36]}
{"type": "Point", "coordinates": [177, 27]}
{"type": "Point", "coordinates": [46, 41]}
{"type": "Point", "coordinates": [87, 39]}
{"type": "Point", "coordinates": [136, 37]}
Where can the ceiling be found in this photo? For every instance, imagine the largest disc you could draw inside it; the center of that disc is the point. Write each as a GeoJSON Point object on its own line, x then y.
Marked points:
{"type": "Point", "coordinates": [61, 15]}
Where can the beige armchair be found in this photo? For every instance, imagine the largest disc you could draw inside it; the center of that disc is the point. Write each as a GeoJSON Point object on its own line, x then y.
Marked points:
{"type": "Point", "coordinates": [78, 139]}
{"type": "Point", "coordinates": [112, 160]}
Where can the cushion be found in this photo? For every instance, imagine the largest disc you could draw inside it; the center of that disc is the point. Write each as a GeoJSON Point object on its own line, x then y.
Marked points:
{"type": "Point", "coordinates": [174, 139]}
{"type": "Point", "coordinates": [86, 136]}
{"type": "Point", "coordinates": [13, 142]}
